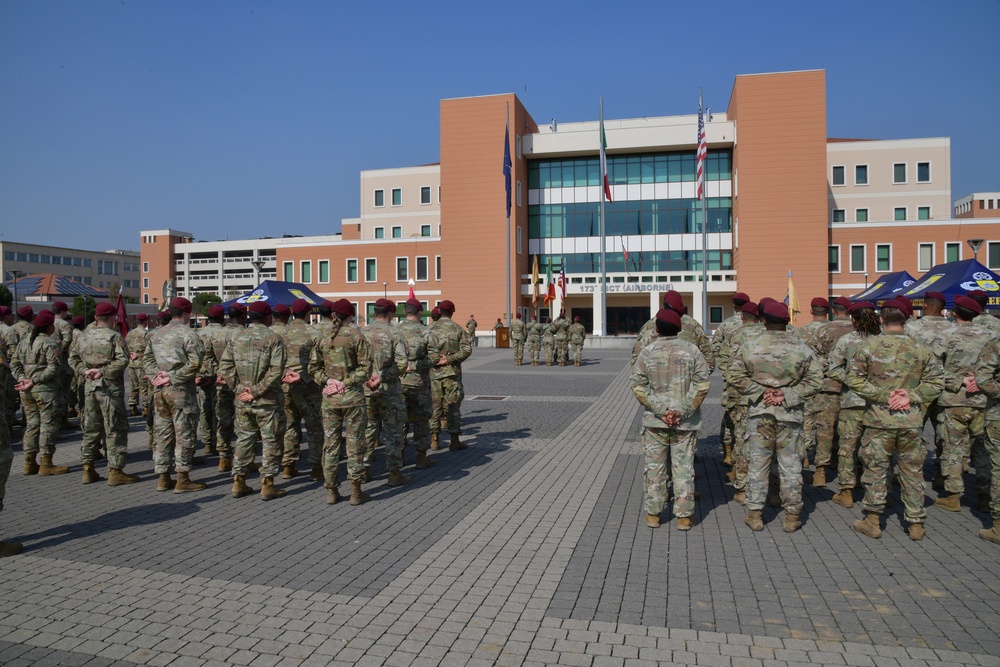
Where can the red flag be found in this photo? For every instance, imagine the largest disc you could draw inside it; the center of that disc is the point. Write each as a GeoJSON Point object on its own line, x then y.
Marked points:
{"type": "Point", "coordinates": [122, 316]}
{"type": "Point", "coordinates": [412, 295]}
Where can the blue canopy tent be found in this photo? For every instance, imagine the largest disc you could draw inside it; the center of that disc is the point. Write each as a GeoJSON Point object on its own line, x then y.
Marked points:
{"type": "Point", "coordinates": [888, 286]}
{"type": "Point", "coordinates": [275, 292]}
{"type": "Point", "coordinates": [955, 279]}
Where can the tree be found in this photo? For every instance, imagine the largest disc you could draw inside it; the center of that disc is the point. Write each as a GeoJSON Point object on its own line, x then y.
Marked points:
{"type": "Point", "coordinates": [203, 301]}
{"type": "Point", "coordinates": [83, 306]}
{"type": "Point", "coordinates": [6, 298]}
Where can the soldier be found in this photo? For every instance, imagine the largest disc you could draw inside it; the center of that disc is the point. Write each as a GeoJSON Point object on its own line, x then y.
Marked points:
{"type": "Point", "coordinates": [825, 405]}
{"type": "Point", "coordinates": [101, 357]}
{"type": "Point", "coordinates": [225, 399]}
{"type": "Point", "coordinates": [64, 337]}
{"type": "Point", "coordinates": [416, 381]}
{"type": "Point", "coordinates": [560, 330]}
{"type": "Point", "coordinates": [341, 364]}
{"type": "Point", "coordinates": [8, 343]}
{"type": "Point", "coordinates": [435, 384]}
{"type": "Point", "coordinates": [534, 339]}
{"type": "Point", "coordinates": [548, 341]}
{"type": "Point", "coordinates": [897, 376]}
{"type": "Point", "coordinates": [447, 348]}
{"type": "Point", "coordinates": [279, 318]}
{"type": "Point", "coordinates": [470, 327]}
{"type": "Point", "coordinates": [819, 308]}
{"type": "Point", "coordinates": [987, 463]}
{"type": "Point", "coordinates": [172, 359]}
{"type": "Point", "coordinates": [6, 454]}
{"type": "Point", "coordinates": [577, 334]}
{"type": "Point", "coordinates": [852, 407]}
{"type": "Point", "coordinates": [984, 319]}
{"type": "Point", "coordinates": [670, 379]}
{"type": "Point", "coordinates": [252, 366]}
{"type": "Point", "coordinates": [37, 368]}
{"type": "Point", "coordinates": [723, 332]}
{"type": "Point", "coordinates": [778, 373]}
{"type": "Point", "coordinates": [135, 341]}
{"type": "Point", "coordinates": [384, 394]}
{"type": "Point", "coordinates": [736, 401]}
{"type": "Point", "coordinates": [208, 421]}
{"type": "Point", "coordinates": [692, 330]}
{"type": "Point", "coordinates": [303, 397]}
{"type": "Point", "coordinates": [517, 336]}
{"type": "Point", "coordinates": [435, 315]}
{"type": "Point", "coordinates": [79, 382]}
{"type": "Point", "coordinates": [961, 404]}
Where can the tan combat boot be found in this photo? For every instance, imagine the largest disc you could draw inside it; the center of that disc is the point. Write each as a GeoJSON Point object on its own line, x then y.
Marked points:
{"type": "Point", "coordinates": [917, 531]}
{"type": "Point", "coordinates": [333, 495]}
{"type": "Point", "coordinates": [184, 484]}
{"type": "Point", "coordinates": [685, 523]}
{"type": "Point", "coordinates": [653, 520]}
{"type": "Point", "coordinates": [950, 502]}
{"type": "Point", "coordinates": [268, 491]}
{"type": "Point", "coordinates": [165, 483]}
{"type": "Point", "coordinates": [845, 498]}
{"type": "Point", "coordinates": [358, 497]}
{"type": "Point", "coordinates": [456, 444]}
{"type": "Point", "coordinates": [240, 488]}
{"type": "Point", "coordinates": [983, 502]}
{"type": "Point", "coordinates": [225, 465]}
{"type": "Point", "coordinates": [89, 474]}
{"type": "Point", "coordinates": [435, 442]}
{"type": "Point", "coordinates": [316, 473]}
{"type": "Point", "coordinates": [792, 522]}
{"type": "Point", "coordinates": [869, 525]}
{"type": "Point", "coordinates": [727, 455]}
{"type": "Point", "coordinates": [118, 477]}
{"type": "Point", "coordinates": [30, 464]}
{"type": "Point", "coordinates": [10, 549]}
{"type": "Point", "coordinates": [46, 467]}
{"type": "Point", "coordinates": [289, 472]}
{"type": "Point", "coordinates": [991, 534]}
{"type": "Point", "coordinates": [819, 477]}
{"type": "Point", "coordinates": [423, 461]}
{"type": "Point", "coordinates": [396, 478]}
{"type": "Point", "coordinates": [755, 520]}
{"type": "Point", "coordinates": [740, 497]}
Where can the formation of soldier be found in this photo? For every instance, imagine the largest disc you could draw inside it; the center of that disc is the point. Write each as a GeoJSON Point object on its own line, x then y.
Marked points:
{"type": "Point", "coordinates": [559, 339]}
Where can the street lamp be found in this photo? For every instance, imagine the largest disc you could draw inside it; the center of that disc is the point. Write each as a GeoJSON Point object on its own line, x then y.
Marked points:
{"type": "Point", "coordinates": [257, 264]}
{"type": "Point", "coordinates": [385, 290]}
{"type": "Point", "coordinates": [866, 281]}
{"type": "Point", "coordinates": [15, 275]}
{"type": "Point", "coordinates": [975, 244]}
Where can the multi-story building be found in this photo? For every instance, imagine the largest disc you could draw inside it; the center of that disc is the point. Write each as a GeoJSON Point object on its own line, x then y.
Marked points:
{"type": "Point", "coordinates": [978, 205]}
{"type": "Point", "coordinates": [105, 270]}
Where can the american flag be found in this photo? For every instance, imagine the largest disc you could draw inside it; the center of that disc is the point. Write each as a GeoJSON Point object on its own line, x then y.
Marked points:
{"type": "Point", "coordinates": [702, 151]}
{"type": "Point", "coordinates": [562, 282]}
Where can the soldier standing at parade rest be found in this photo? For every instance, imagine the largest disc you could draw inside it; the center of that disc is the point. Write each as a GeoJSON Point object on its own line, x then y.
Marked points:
{"type": "Point", "coordinates": [8, 343]}
{"type": "Point", "coordinates": [778, 373]}
{"type": "Point", "coordinates": [384, 393]}
{"type": "Point", "coordinates": [215, 337]}
{"type": "Point", "coordinates": [737, 402]}
{"type": "Point", "coordinates": [985, 319]}
{"type": "Point", "coordinates": [416, 382]}
{"type": "Point", "coordinates": [577, 334]}
{"type": "Point", "coordinates": [78, 380]}
{"type": "Point", "coordinates": [691, 330]}
{"type": "Point", "coordinates": [470, 327]}
{"type": "Point", "coordinates": [988, 466]}
{"type": "Point", "coordinates": [897, 376]}
{"type": "Point", "coordinates": [303, 397]}
{"type": "Point", "coordinates": [435, 384]}
{"type": "Point", "coordinates": [447, 347]}
{"type": "Point", "coordinates": [517, 336]}
{"type": "Point", "coordinates": [162, 319]}
{"type": "Point", "coordinates": [6, 454]}
{"type": "Point", "coordinates": [819, 308]}
{"type": "Point", "coordinates": [719, 342]}
{"type": "Point", "coordinates": [101, 358]}
{"type": "Point", "coordinates": [252, 366]}
{"type": "Point", "coordinates": [280, 315]}
{"type": "Point", "coordinates": [549, 341]}
{"type": "Point", "coordinates": [135, 341]}
{"type": "Point", "coordinates": [172, 359]}
{"type": "Point", "coordinates": [560, 330]}
{"type": "Point", "coordinates": [64, 337]}
{"type": "Point", "coordinates": [534, 339]}
{"type": "Point", "coordinates": [341, 363]}
{"type": "Point", "coordinates": [670, 379]}
{"type": "Point", "coordinates": [208, 420]}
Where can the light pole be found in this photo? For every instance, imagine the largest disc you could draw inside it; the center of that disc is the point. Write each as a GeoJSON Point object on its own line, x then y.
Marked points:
{"type": "Point", "coordinates": [866, 281]}
{"type": "Point", "coordinates": [385, 290]}
{"type": "Point", "coordinates": [16, 275]}
{"type": "Point", "coordinates": [975, 244]}
{"type": "Point", "coordinates": [257, 264]}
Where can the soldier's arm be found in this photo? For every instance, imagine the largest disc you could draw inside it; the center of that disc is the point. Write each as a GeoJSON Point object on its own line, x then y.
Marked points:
{"type": "Point", "coordinates": [227, 366]}
{"type": "Point", "coordinates": [698, 389]}
{"type": "Point", "coordinates": [317, 365]}
{"type": "Point", "coordinates": [642, 341]}
{"type": "Point", "coordinates": [836, 367]}
{"type": "Point", "coordinates": [857, 379]}
{"type": "Point", "coordinates": [433, 348]}
{"type": "Point", "coordinates": [464, 349]}
{"type": "Point", "coordinates": [806, 387]}
{"type": "Point", "coordinates": [75, 361]}
{"type": "Point", "coordinates": [275, 370]}
{"type": "Point", "coordinates": [987, 366]}
{"type": "Point", "coordinates": [401, 353]}
{"type": "Point", "coordinates": [149, 365]}
{"type": "Point", "coordinates": [51, 370]}
{"type": "Point", "coordinates": [643, 391]}
{"type": "Point", "coordinates": [195, 353]}
{"type": "Point", "coordinates": [706, 349]}
{"type": "Point", "coordinates": [360, 375]}
{"type": "Point", "coordinates": [931, 381]}
{"type": "Point", "coordinates": [114, 370]}
{"type": "Point", "coordinates": [209, 362]}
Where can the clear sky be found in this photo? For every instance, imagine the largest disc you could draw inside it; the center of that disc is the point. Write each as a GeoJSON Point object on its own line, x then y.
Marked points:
{"type": "Point", "coordinates": [244, 119]}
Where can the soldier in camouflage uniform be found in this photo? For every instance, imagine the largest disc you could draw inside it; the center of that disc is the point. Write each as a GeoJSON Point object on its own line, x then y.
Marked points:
{"type": "Point", "coordinates": [64, 336]}
{"type": "Point", "coordinates": [825, 405]}
{"type": "Point", "coordinates": [985, 319]}
{"type": "Point", "coordinates": [470, 327]}
{"type": "Point", "coordinates": [208, 420]}
{"type": "Point", "coordinates": [987, 463]}
{"type": "Point", "coordinates": [670, 379]}
{"type": "Point", "coordinates": [135, 341]}
{"type": "Point", "coordinates": [172, 359]}
{"type": "Point", "coordinates": [8, 343]}
{"type": "Point", "coordinates": [691, 331]}
{"type": "Point", "coordinates": [79, 382]}
{"type": "Point", "coordinates": [820, 310]}
{"type": "Point", "coordinates": [6, 454]}
{"type": "Point", "coordinates": [216, 336]}
{"type": "Point", "coordinates": [416, 381]}
{"type": "Point", "coordinates": [517, 335]}
{"type": "Point", "coordinates": [735, 401]}
{"type": "Point", "coordinates": [560, 332]}
{"type": "Point", "coordinates": [719, 338]}
{"type": "Point", "coordinates": [577, 334]}
{"type": "Point", "coordinates": [280, 315]}
{"type": "Point", "coordinates": [447, 347]}
{"type": "Point", "coordinates": [384, 393]}
{"type": "Point", "coordinates": [341, 363]}
{"type": "Point", "coordinates": [961, 404]}
{"type": "Point", "coordinates": [549, 341]}
{"type": "Point", "coordinates": [253, 365]}
{"type": "Point", "coordinates": [436, 391]}
{"type": "Point", "coordinates": [897, 376]}
{"type": "Point", "coordinates": [534, 339]}
{"type": "Point", "coordinates": [303, 397]}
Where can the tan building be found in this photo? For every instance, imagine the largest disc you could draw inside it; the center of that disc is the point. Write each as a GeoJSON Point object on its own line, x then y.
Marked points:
{"type": "Point", "coordinates": [103, 270]}
{"type": "Point", "coordinates": [978, 205]}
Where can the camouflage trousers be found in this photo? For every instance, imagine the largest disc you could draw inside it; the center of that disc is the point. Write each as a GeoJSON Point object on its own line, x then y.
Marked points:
{"type": "Point", "coordinates": [175, 428]}
{"type": "Point", "coordinates": [105, 417]}
{"type": "Point", "coordinates": [418, 409]}
{"type": "Point", "coordinates": [849, 430]}
{"type": "Point", "coordinates": [6, 454]}
{"type": "Point", "coordinates": [959, 428]}
{"type": "Point", "coordinates": [69, 396]}
{"type": "Point", "coordinates": [768, 439]}
{"type": "Point", "coordinates": [549, 352]}
{"type": "Point", "coordinates": [518, 350]}
{"type": "Point", "coordinates": [826, 408]}
{"type": "Point", "coordinates": [41, 412]}
{"type": "Point", "coordinates": [386, 425]}
{"type": "Point", "coordinates": [353, 421]}
{"type": "Point", "coordinates": [741, 461]}
{"type": "Point", "coordinates": [208, 422]}
{"type": "Point", "coordinates": [534, 347]}
{"type": "Point", "coordinates": [225, 413]}
{"type": "Point", "coordinates": [447, 405]}
{"type": "Point", "coordinates": [808, 431]}
{"type": "Point", "coordinates": [562, 351]}
{"type": "Point", "coordinates": [877, 447]}
{"type": "Point", "coordinates": [303, 402]}
{"type": "Point", "coordinates": [669, 451]}
{"type": "Point", "coordinates": [266, 422]}
{"type": "Point", "coordinates": [137, 387]}
{"type": "Point", "coordinates": [577, 350]}
{"type": "Point", "coordinates": [989, 463]}
{"type": "Point", "coordinates": [10, 397]}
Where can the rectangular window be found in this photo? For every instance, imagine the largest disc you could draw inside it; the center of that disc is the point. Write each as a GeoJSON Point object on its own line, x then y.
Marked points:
{"type": "Point", "coordinates": [519, 235]}
{"type": "Point", "coordinates": [834, 259]}
{"type": "Point", "coordinates": [519, 194]}
{"type": "Point", "coordinates": [923, 213]}
{"type": "Point", "coordinates": [899, 172]}
{"type": "Point", "coordinates": [883, 257]}
{"type": "Point", "coordinates": [993, 255]}
{"type": "Point", "coordinates": [380, 232]}
{"type": "Point", "coordinates": [923, 172]}
{"type": "Point", "coordinates": [402, 269]}
{"type": "Point", "coordinates": [145, 283]}
{"type": "Point", "coordinates": [857, 259]}
{"type": "Point", "coordinates": [397, 232]}
{"type": "Point", "coordinates": [288, 269]}
{"type": "Point", "coordinates": [838, 215]}
{"type": "Point", "coordinates": [861, 174]}
{"type": "Point", "coordinates": [379, 198]}
{"type": "Point", "coordinates": [352, 270]}
{"type": "Point", "coordinates": [861, 215]}
{"type": "Point", "coordinates": [425, 230]}
{"type": "Point", "coordinates": [397, 196]}
{"type": "Point", "coordinates": [838, 176]}
{"type": "Point", "coordinates": [437, 267]}
{"type": "Point", "coordinates": [33, 257]}
{"type": "Point", "coordinates": [145, 298]}
{"type": "Point", "coordinates": [715, 314]}
{"type": "Point", "coordinates": [421, 268]}
{"type": "Point", "coordinates": [517, 146]}
{"type": "Point", "coordinates": [324, 270]}
{"type": "Point", "coordinates": [425, 195]}
{"type": "Point", "coordinates": [899, 213]}
{"type": "Point", "coordinates": [952, 252]}
{"type": "Point", "coordinates": [145, 266]}
{"type": "Point", "coordinates": [925, 256]}
{"type": "Point", "coordinates": [371, 270]}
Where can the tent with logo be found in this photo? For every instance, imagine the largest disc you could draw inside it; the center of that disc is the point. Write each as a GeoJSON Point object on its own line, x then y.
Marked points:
{"type": "Point", "coordinates": [955, 279]}
{"type": "Point", "coordinates": [275, 292]}
{"type": "Point", "coordinates": [888, 286]}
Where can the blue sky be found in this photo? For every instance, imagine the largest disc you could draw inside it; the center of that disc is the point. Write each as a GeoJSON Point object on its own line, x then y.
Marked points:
{"type": "Point", "coordinates": [243, 119]}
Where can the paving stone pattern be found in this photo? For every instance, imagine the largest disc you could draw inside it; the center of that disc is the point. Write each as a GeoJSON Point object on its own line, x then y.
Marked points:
{"type": "Point", "coordinates": [525, 549]}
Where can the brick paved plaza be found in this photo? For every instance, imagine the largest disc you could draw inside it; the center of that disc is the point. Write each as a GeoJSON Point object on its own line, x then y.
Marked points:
{"type": "Point", "coordinates": [527, 548]}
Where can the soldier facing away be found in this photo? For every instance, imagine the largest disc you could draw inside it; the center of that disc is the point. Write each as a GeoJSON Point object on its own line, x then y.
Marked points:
{"type": "Point", "coordinates": [447, 348]}
{"type": "Point", "coordinates": [517, 336]}
{"type": "Point", "coordinates": [577, 334]}
{"type": "Point", "coordinates": [416, 381]}
{"type": "Point", "coordinates": [303, 397]}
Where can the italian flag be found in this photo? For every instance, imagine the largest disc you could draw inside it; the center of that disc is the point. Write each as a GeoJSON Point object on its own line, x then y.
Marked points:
{"type": "Point", "coordinates": [604, 158]}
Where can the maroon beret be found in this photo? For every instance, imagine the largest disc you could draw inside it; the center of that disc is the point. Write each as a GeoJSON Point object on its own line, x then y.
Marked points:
{"type": "Point", "coordinates": [215, 311]}
{"type": "Point", "coordinates": [163, 316]}
{"type": "Point", "coordinates": [413, 301]}
{"type": "Point", "coordinates": [260, 307]}
{"type": "Point", "coordinates": [518, 315]}
{"type": "Point", "coordinates": [300, 306]}
{"type": "Point", "coordinates": [764, 301]}
{"type": "Point", "coordinates": [861, 305]}
{"type": "Point", "coordinates": [672, 299]}
{"type": "Point", "coordinates": [390, 305]}
{"type": "Point", "coordinates": [842, 301]}
{"type": "Point", "coordinates": [181, 304]}
{"type": "Point", "coordinates": [968, 302]}
{"type": "Point", "coordinates": [977, 292]}
{"type": "Point", "coordinates": [937, 296]}
{"type": "Point", "coordinates": [907, 305]}
{"type": "Point", "coordinates": [59, 307]}
{"type": "Point", "coordinates": [25, 312]}
{"type": "Point", "coordinates": [44, 318]}
{"type": "Point", "coordinates": [78, 321]}
{"type": "Point", "coordinates": [777, 310]}
{"type": "Point", "coordinates": [142, 317]}
{"type": "Point", "coordinates": [576, 318]}
{"type": "Point", "coordinates": [343, 307]}
{"type": "Point", "coordinates": [104, 309]}
{"type": "Point", "coordinates": [447, 305]}
{"type": "Point", "coordinates": [669, 316]}
{"type": "Point", "coordinates": [819, 302]}
{"type": "Point", "coordinates": [281, 309]}
{"type": "Point", "coordinates": [742, 296]}
{"type": "Point", "coordinates": [895, 303]}
{"type": "Point", "coordinates": [238, 306]}
{"type": "Point", "coordinates": [385, 303]}
{"type": "Point", "coordinates": [4, 312]}
{"type": "Point", "coordinates": [326, 303]}
{"type": "Point", "coordinates": [749, 307]}
{"type": "Point", "coordinates": [435, 312]}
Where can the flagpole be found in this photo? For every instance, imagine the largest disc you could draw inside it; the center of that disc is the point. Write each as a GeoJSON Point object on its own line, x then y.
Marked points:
{"type": "Point", "coordinates": [604, 272]}
{"type": "Point", "coordinates": [704, 229]}
{"type": "Point", "coordinates": [507, 148]}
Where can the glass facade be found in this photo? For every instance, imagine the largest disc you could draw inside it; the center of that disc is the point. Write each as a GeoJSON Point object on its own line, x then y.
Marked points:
{"type": "Point", "coordinates": [638, 262]}
{"type": "Point", "coordinates": [628, 169]}
{"type": "Point", "coordinates": [653, 216]}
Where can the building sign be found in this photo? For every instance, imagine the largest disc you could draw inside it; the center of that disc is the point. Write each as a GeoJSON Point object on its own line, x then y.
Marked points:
{"type": "Point", "coordinates": [622, 288]}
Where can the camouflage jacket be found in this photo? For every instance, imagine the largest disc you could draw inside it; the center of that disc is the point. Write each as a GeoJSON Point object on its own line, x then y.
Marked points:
{"type": "Point", "coordinates": [103, 349]}
{"type": "Point", "coordinates": [64, 336]}
{"type": "Point", "coordinates": [931, 330]}
{"type": "Point", "coordinates": [346, 357]}
{"type": "Point", "coordinates": [671, 374]}
{"type": "Point", "coordinates": [448, 338]}
{"type": "Point", "coordinates": [822, 343]}
{"type": "Point", "coordinates": [988, 378]}
{"type": "Point", "coordinates": [210, 361]}
{"type": "Point", "coordinates": [839, 363]}
{"type": "Point", "coordinates": [548, 333]}
{"type": "Point", "coordinates": [135, 341]}
{"type": "Point", "coordinates": [517, 329]}
{"type": "Point", "coordinates": [740, 337]}
{"type": "Point", "coordinates": [389, 356]}
{"type": "Point", "coordinates": [560, 328]}
{"type": "Point", "coordinates": [987, 321]}
{"type": "Point", "coordinates": [278, 328]}
{"type": "Point", "coordinates": [38, 361]}
{"type": "Point", "coordinates": [895, 361]}
{"type": "Point", "coordinates": [577, 333]}
{"type": "Point", "coordinates": [21, 329]}
{"type": "Point", "coordinates": [175, 349]}
{"type": "Point", "coordinates": [726, 329]}
{"type": "Point", "coordinates": [809, 328]}
{"type": "Point", "coordinates": [960, 354]}
{"type": "Point", "coordinates": [470, 326]}
{"type": "Point", "coordinates": [255, 360]}
{"type": "Point", "coordinates": [534, 330]}
{"type": "Point", "coordinates": [326, 328]}
{"type": "Point", "coordinates": [8, 343]}
{"type": "Point", "coordinates": [776, 360]}
{"type": "Point", "coordinates": [299, 339]}
{"type": "Point", "coordinates": [691, 331]}
{"type": "Point", "coordinates": [419, 369]}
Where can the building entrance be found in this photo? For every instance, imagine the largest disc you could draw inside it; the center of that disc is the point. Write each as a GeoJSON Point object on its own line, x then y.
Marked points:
{"type": "Point", "coordinates": [626, 320]}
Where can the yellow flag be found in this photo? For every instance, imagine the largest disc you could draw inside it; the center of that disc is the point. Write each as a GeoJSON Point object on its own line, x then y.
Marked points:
{"type": "Point", "coordinates": [792, 299]}
{"type": "Point", "coordinates": [534, 282]}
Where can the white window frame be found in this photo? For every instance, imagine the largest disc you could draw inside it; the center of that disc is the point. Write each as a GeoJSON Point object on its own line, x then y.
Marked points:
{"type": "Point", "coordinates": [319, 272]}
{"type": "Point", "coordinates": [833, 215]}
{"type": "Point", "coordinates": [519, 194]}
{"type": "Point", "coordinates": [407, 276]}
{"type": "Point", "coordinates": [881, 245]}
{"type": "Point", "coordinates": [145, 298]}
{"type": "Point", "coordinates": [392, 232]}
{"type": "Point", "coordinates": [838, 185]}
{"type": "Point", "coordinates": [958, 245]}
{"type": "Point", "coordinates": [437, 268]}
{"type": "Point", "coordinates": [429, 195]}
{"type": "Point", "coordinates": [906, 174]}
{"type": "Point", "coordinates": [930, 174]}
{"type": "Point", "coordinates": [145, 267]}
{"type": "Point", "coordinates": [393, 197]}
{"type": "Point", "coordinates": [900, 208]}
{"type": "Point", "coordinates": [375, 203]}
{"type": "Point", "coordinates": [519, 241]}
{"type": "Point", "coordinates": [840, 258]}
{"type": "Point", "coordinates": [304, 266]}
{"type": "Point", "coordinates": [988, 244]}
{"type": "Point", "coordinates": [416, 268]}
{"type": "Point", "coordinates": [868, 175]}
{"type": "Point", "coordinates": [864, 258]}
{"type": "Point", "coordinates": [284, 271]}
{"type": "Point", "coordinates": [867, 216]}
{"type": "Point", "coordinates": [371, 259]}
{"type": "Point", "coordinates": [517, 146]}
{"type": "Point", "coordinates": [428, 228]}
{"type": "Point", "coordinates": [933, 247]}
{"type": "Point", "coordinates": [347, 270]}
{"type": "Point", "coordinates": [376, 231]}
{"type": "Point", "coordinates": [145, 283]}
{"type": "Point", "coordinates": [929, 213]}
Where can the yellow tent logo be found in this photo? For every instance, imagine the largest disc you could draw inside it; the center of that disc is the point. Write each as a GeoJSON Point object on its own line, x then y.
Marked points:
{"type": "Point", "coordinates": [299, 294]}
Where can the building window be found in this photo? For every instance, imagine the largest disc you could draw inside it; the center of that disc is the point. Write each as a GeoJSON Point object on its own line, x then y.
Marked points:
{"type": "Point", "coordinates": [145, 266]}
{"type": "Point", "coordinates": [380, 232]}
{"type": "Point", "coordinates": [923, 213]}
{"type": "Point", "coordinates": [899, 172]}
{"type": "Point", "coordinates": [517, 146]}
{"type": "Point", "coordinates": [324, 271]}
{"type": "Point", "coordinates": [519, 235]}
{"type": "Point", "coordinates": [834, 259]}
{"type": "Point", "coordinates": [145, 283]}
{"type": "Point", "coordinates": [861, 215]}
{"type": "Point", "coordinates": [425, 230]}
{"type": "Point", "coordinates": [861, 174]}
{"type": "Point", "coordinates": [925, 256]}
{"type": "Point", "coordinates": [883, 257]}
{"type": "Point", "coordinates": [439, 194]}
{"type": "Point", "coordinates": [145, 298]}
{"type": "Point", "coordinates": [857, 259]}
{"type": "Point", "coordinates": [519, 194]}
{"type": "Point", "coordinates": [993, 255]}
{"type": "Point", "coordinates": [899, 213]}
{"type": "Point", "coordinates": [715, 314]}
{"type": "Point", "coordinates": [379, 198]}
{"type": "Point", "coordinates": [371, 270]}
{"type": "Point", "coordinates": [352, 270]}
{"type": "Point", "coordinates": [397, 196]}
{"type": "Point", "coordinates": [923, 172]}
{"type": "Point", "coordinates": [402, 269]}
{"type": "Point", "coordinates": [838, 215]}
{"type": "Point", "coordinates": [397, 232]}
{"type": "Point", "coordinates": [288, 268]}
{"type": "Point", "coordinates": [437, 267]}
{"type": "Point", "coordinates": [838, 176]}
{"type": "Point", "coordinates": [425, 195]}
{"type": "Point", "coordinates": [421, 268]}
{"type": "Point", "coordinates": [952, 252]}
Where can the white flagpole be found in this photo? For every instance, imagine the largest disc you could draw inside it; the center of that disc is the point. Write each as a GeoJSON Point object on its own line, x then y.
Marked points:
{"type": "Point", "coordinates": [604, 272]}
{"type": "Point", "coordinates": [704, 224]}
